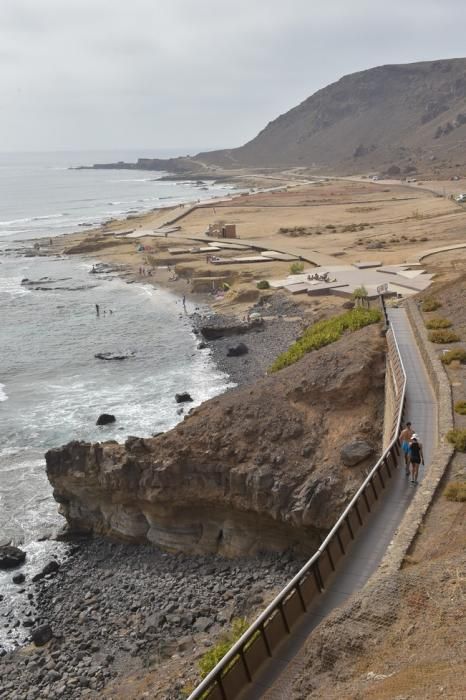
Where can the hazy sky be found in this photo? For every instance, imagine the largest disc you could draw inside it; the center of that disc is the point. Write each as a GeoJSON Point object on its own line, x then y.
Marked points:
{"type": "Point", "coordinates": [193, 73]}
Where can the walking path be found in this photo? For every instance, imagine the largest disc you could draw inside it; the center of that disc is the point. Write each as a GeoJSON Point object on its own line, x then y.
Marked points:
{"type": "Point", "coordinates": [433, 251]}
{"type": "Point", "coordinates": [276, 680]}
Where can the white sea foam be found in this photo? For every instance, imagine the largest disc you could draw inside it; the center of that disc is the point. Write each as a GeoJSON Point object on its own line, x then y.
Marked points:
{"type": "Point", "coordinates": [3, 394]}
{"type": "Point", "coordinates": [12, 286]}
{"type": "Point", "coordinates": [135, 179]}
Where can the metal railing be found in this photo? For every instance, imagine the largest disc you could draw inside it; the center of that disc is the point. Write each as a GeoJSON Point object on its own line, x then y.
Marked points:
{"type": "Point", "coordinates": [237, 669]}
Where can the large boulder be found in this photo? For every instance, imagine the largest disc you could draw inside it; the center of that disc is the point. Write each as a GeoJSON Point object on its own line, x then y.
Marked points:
{"type": "Point", "coordinates": [183, 397]}
{"type": "Point", "coordinates": [237, 350]}
{"type": "Point", "coordinates": [11, 556]}
{"type": "Point", "coordinates": [113, 355]}
{"type": "Point", "coordinates": [105, 419]}
{"type": "Point", "coordinates": [41, 635]}
{"type": "Point", "coordinates": [50, 568]}
{"type": "Point", "coordinates": [355, 452]}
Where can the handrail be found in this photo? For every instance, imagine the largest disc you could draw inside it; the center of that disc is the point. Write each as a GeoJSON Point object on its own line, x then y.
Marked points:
{"type": "Point", "coordinates": [214, 678]}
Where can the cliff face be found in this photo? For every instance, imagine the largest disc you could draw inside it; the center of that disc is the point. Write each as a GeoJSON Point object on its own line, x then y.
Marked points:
{"type": "Point", "coordinates": [256, 469]}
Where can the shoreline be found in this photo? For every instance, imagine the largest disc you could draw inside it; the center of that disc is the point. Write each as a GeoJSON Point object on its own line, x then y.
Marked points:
{"type": "Point", "coordinates": [117, 611]}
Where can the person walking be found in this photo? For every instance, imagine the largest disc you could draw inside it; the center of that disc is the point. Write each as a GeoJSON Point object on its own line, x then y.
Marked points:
{"type": "Point", "coordinates": [416, 457]}
{"type": "Point", "coordinates": [97, 310]}
{"type": "Point", "coordinates": [405, 438]}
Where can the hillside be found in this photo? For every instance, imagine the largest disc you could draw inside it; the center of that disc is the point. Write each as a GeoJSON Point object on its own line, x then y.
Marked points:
{"type": "Point", "coordinates": [408, 116]}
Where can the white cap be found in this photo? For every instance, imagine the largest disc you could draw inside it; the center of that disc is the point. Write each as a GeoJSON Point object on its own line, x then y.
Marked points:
{"type": "Point", "coordinates": [414, 436]}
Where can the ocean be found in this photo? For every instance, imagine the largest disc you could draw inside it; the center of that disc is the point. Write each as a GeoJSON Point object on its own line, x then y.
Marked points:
{"type": "Point", "coordinates": [52, 388]}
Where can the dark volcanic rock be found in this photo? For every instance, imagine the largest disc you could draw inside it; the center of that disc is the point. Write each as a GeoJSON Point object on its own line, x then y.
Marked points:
{"type": "Point", "coordinates": [223, 326]}
{"type": "Point", "coordinates": [183, 397]}
{"type": "Point", "coordinates": [11, 556]}
{"type": "Point", "coordinates": [237, 350]}
{"type": "Point", "coordinates": [105, 419]}
{"type": "Point", "coordinates": [355, 452]}
{"type": "Point", "coordinates": [41, 635]}
{"type": "Point", "coordinates": [113, 355]}
{"type": "Point", "coordinates": [19, 578]}
{"type": "Point", "coordinates": [50, 568]}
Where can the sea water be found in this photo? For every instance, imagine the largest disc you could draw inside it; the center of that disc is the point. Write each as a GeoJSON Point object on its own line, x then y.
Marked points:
{"type": "Point", "coordinates": [52, 387]}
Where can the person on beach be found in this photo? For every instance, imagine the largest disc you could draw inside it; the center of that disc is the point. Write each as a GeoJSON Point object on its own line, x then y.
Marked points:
{"type": "Point", "coordinates": [405, 437]}
{"type": "Point", "coordinates": [184, 302]}
{"type": "Point", "coordinates": [97, 310]}
{"type": "Point", "coordinates": [416, 456]}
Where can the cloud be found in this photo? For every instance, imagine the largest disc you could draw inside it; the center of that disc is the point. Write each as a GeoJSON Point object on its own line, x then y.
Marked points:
{"type": "Point", "coordinates": [154, 73]}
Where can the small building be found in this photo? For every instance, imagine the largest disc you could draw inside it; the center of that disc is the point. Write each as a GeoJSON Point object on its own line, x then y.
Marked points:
{"type": "Point", "coordinates": [222, 230]}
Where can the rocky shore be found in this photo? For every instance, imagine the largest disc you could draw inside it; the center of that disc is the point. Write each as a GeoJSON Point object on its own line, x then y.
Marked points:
{"type": "Point", "coordinates": [114, 609]}
{"type": "Point", "coordinates": [283, 322]}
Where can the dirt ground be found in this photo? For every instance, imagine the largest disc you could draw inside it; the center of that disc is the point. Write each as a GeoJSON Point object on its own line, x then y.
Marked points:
{"type": "Point", "coordinates": [324, 222]}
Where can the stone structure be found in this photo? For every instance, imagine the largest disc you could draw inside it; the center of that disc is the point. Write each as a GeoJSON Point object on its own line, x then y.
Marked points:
{"type": "Point", "coordinates": [219, 230]}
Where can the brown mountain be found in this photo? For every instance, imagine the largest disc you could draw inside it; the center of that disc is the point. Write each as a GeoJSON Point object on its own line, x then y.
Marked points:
{"type": "Point", "coordinates": [411, 115]}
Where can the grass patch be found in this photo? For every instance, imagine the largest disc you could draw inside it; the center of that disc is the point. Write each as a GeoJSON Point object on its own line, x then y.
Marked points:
{"type": "Point", "coordinates": [436, 323]}
{"type": "Point", "coordinates": [460, 407]}
{"type": "Point", "coordinates": [455, 354]}
{"type": "Point", "coordinates": [218, 651]}
{"type": "Point", "coordinates": [325, 332]}
{"type": "Point", "coordinates": [456, 491]}
{"type": "Point", "coordinates": [443, 336]}
{"type": "Point", "coordinates": [430, 304]}
{"type": "Point", "coordinates": [296, 268]}
{"type": "Point", "coordinates": [457, 438]}
{"type": "Point", "coordinates": [263, 284]}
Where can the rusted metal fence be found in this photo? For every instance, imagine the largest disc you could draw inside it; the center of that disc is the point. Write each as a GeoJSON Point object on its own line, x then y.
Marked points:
{"type": "Point", "coordinates": [241, 664]}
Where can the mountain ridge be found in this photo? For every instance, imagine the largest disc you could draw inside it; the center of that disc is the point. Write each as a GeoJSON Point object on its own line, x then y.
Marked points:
{"type": "Point", "coordinates": [373, 118]}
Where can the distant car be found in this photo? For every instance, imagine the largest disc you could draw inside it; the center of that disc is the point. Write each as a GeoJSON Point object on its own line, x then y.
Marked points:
{"type": "Point", "coordinates": [461, 197]}
{"type": "Point", "coordinates": [375, 177]}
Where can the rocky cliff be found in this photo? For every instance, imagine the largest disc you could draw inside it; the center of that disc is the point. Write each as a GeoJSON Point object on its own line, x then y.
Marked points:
{"type": "Point", "coordinates": [259, 468]}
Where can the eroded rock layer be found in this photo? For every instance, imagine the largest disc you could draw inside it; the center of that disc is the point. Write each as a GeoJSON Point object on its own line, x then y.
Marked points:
{"type": "Point", "coordinates": [259, 468]}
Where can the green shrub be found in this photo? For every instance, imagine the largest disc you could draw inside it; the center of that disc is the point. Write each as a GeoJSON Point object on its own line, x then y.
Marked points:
{"type": "Point", "coordinates": [263, 284]}
{"type": "Point", "coordinates": [456, 491]}
{"type": "Point", "coordinates": [455, 354]}
{"type": "Point", "coordinates": [325, 332]}
{"type": "Point", "coordinates": [435, 323]}
{"type": "Point", "coordinates": [218, 651]}
{"type": "Point", "coordinates": [443, 336]}
{"type": "Point", "coordinates": [457, 438]}
{"type": "Point", "coordinates": [430, 304]}
{"type": "Point", "coordinates": [296, 268]}
{"type": "Point", "coordinates": [460, 407]}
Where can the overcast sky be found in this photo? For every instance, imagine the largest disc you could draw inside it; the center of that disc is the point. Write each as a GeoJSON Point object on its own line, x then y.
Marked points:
{"type": "Point", "coordinates": [98, 74]}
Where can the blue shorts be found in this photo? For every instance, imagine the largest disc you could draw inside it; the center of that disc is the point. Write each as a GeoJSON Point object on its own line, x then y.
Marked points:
{"type": "Point", "coordinates": [405, 447]}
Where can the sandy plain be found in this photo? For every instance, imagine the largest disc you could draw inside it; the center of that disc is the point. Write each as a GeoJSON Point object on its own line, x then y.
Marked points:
{"type": "Point", "coordinates": [319, 222]}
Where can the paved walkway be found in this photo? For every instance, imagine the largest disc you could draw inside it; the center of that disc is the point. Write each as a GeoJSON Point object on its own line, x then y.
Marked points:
{"type": "Point", "coordinates": [433, 251]}
{"type": "Point", "coordinates": [311, 256]}
{"type": "Point", "coordinates": [277, 677]}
